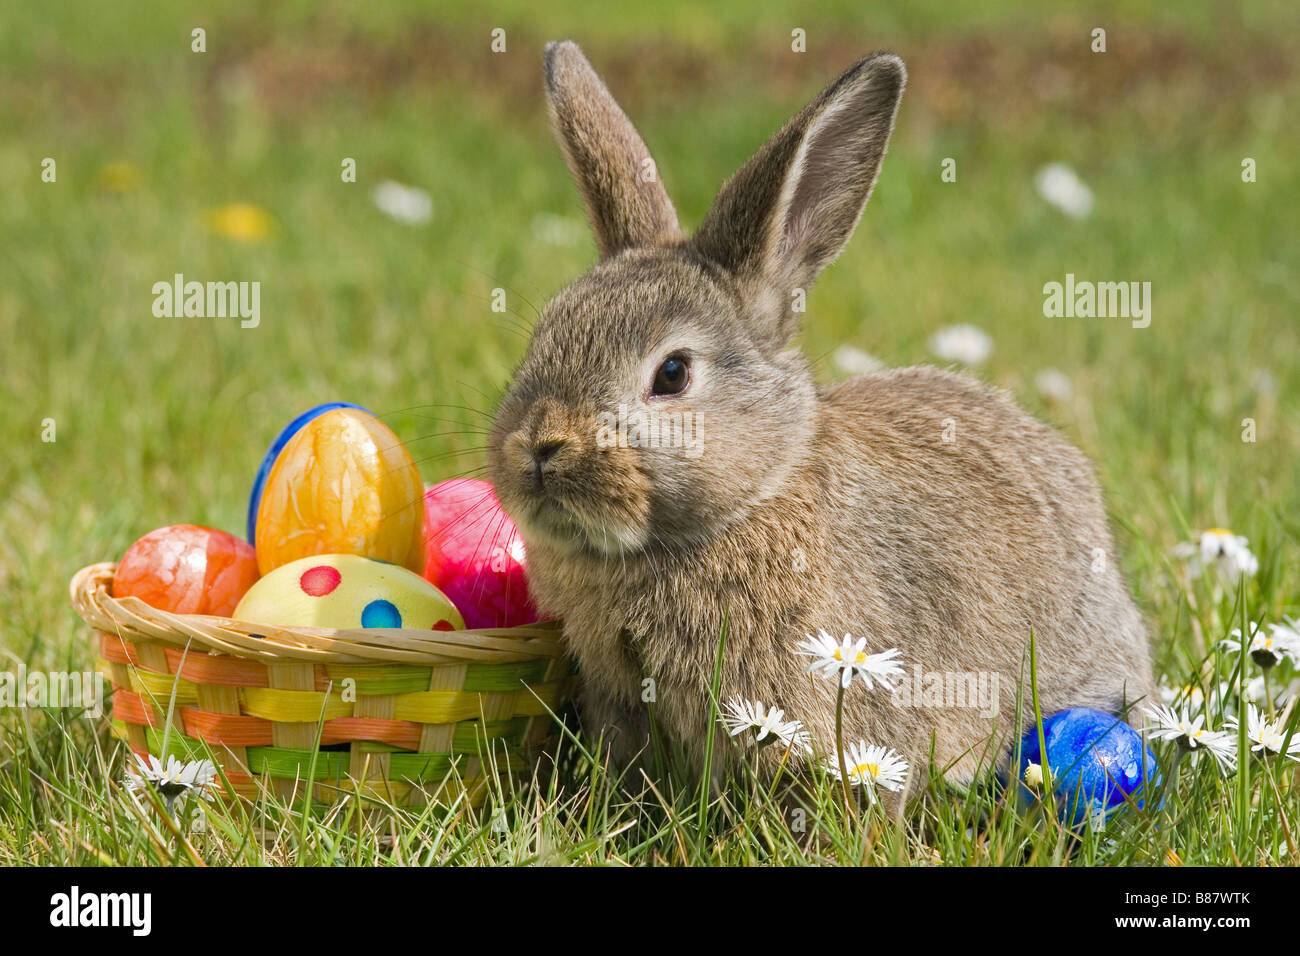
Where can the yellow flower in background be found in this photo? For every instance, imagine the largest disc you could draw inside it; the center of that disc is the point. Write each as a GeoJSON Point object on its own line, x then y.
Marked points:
{"type": "Point", "coordinates": [119, 177]}
{"type": "Point", "coordinates": [242, 221]}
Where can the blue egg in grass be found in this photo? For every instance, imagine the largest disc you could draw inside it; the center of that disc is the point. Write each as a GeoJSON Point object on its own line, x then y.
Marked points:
{"type": "Point", "coordinates": [1098, 764]}
{"type": "Point", "coordinates": [272, 453]}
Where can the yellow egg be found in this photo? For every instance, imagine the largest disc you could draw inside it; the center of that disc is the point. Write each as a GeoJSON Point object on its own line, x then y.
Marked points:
{"type": "Point", "coordinates": [347, 591]}
{"type": "Point", "coordinates": [344, 484]}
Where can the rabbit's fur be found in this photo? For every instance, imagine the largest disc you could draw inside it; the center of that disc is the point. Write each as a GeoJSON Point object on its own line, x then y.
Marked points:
{"type": "Point", "coordinates": [915, 507]}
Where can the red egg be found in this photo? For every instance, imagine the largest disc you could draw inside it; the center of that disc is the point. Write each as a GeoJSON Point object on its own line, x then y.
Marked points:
{"type": "Point", "coordinates": [187, 569]}
{"type": "Point", "coordinates": [474, 554]}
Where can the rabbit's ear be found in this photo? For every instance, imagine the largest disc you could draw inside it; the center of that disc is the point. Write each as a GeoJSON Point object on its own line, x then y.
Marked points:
{"type": "Point", "coordinates": [626, 203]}
{"type": "Point", "coordinates": [789, 211]}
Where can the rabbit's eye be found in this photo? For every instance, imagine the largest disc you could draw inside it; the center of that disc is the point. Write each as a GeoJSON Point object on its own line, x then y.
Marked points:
{"type": "Point", "coordinates": [672, 376]}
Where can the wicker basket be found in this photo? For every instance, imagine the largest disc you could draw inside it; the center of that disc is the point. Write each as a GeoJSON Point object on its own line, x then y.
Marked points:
{"type": "Point", "coordinates": [419, 712]}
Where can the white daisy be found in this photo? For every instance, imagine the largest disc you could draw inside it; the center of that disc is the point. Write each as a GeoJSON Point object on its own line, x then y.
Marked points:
{"type": "Point", "coordinates": [1193, 696]}
{"type": "Point", "coordinates": [1033, 775]}
{"type": "Point", "coordinates": [1266, 650]}
{"type": "Point", "coordinates": [843, 660]}
{"type": "Point", "coordinates": [1255, 691]}
{"type": "Point", "coordinates": [408, 204]}
{"type": "Point", "coordinates": [1163, 723]}
{"type": "Point", "coordinates": [962, 343]}
{"type": "Point", "coordinates": [1266, 736]}
{"type": "Point", "coordinates": [1229, 554]}
{"type": "Point", "coordinates": [740, 715]}
{"type": "Point", "coordinates": [1054, 385]}
{"type": "Point", "coordinates": [854, 361]}
{"type": "Point", "coordinates": [1281, 692]}
{"type": "Point", "coordinates": [172, 778]}
{"type": "Point", "coordinates": [1284, 640]}
{"type": "Point", "coordinates": [871, 766]}
{"type": "Point", "coordinates": [1061, 186]}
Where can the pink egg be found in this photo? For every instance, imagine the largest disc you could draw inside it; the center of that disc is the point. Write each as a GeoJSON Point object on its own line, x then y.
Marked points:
{"type": "Point", "coordinates": [474, 555]}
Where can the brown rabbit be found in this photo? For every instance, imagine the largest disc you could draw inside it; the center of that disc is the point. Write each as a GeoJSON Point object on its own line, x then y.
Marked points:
{"type": "Point", "coordinates": [915, 507]}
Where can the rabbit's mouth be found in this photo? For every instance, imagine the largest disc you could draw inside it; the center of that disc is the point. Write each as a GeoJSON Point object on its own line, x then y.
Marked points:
{"type": "Point", "coordinates": [565, 493]}
{"type": "Point", "coordinates": [568, 527]}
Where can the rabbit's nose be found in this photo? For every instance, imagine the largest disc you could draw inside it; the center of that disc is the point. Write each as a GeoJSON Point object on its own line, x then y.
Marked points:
{"type": "Point", "coordinates": [542, 453]}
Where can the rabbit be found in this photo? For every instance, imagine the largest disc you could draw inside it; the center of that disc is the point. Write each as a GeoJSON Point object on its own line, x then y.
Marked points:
{"type": "Point", "coordinates": [915, 507]}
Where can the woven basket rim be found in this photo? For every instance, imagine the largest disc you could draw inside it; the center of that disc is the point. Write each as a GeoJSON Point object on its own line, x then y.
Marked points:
{"type": "Point", "coordinates": [132, 619]}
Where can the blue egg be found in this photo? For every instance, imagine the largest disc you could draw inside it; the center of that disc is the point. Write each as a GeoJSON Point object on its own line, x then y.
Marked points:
{"type": "Point", "coordinates": [381, 613]}
{"type": "Point", "coordinates": [1098, 763]}
{"type": "Point", "coordinates": [272, 453]}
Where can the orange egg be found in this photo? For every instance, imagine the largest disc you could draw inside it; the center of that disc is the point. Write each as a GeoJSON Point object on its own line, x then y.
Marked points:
{"type": "Point", "coordinates": [344, 484]}
{"type": "Point", "coordinates": [187, 569]}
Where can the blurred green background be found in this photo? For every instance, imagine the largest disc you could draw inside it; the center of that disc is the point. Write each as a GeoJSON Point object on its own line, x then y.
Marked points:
{"type": "Point", "coordinates": [164, 420]}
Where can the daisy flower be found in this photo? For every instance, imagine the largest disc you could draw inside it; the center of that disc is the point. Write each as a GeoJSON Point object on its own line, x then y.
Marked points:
{"type": "Point", "coordinates": [846, 659]}
{"type": "Point", "coordinates": [1266, 650]}
{"type": "Point", "coordinates": [1266, 736]}
{"type": "Point", "coordinates": [854, 361]}
{"type": "Point", "coordinates": [1283, 641]}
{"type": "Point", "coordinates": [1164, 723]}
{"type": "Point", "coordinates": [407, 204]}
{"type": "Point", "coordinates": [872, 766]}
{"type": "Point", "coordinates": [1258, 689]}
{"type": "Point", "coordinates": [1193, 696]}
{"type": "Point", "coordinates": [1054, 385]}
{"type": "Point", "coordinates": [1061, 186]}
{"type": "Point", "coordinates": [172, 779]}
{"type": "Point", "coordinates": [1189, 693]}
{"type": "Point", "coordinates": [1229, 554]}
{"type": "Point", "coordinates": [1033, 775]}
{"type": "Point", "coordinates": [768, 724]}
{"type": "Point", "coordinates": [962, 343]}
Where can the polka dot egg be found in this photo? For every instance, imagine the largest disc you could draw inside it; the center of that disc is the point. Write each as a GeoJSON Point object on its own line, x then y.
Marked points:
{"type": "Point", "coordinates": [347, 591]}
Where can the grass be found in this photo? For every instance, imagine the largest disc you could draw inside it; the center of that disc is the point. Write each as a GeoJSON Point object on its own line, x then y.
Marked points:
{"type": "Point", "coordinates": [161, 421]}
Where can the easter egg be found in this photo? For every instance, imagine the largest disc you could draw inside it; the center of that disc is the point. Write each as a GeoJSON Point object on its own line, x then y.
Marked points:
{"type": "Point", "coordinates": [347, 591]}
{"type": "Point", "coordinates": [344, 484]}
{"type": "Point", "coordinates": [272, 453]}
{"type": "Point", "coordinates": [474, 554]}
{"type": "Point", "coordinates": [187, 569]}
{"type": "Point", "coordinates": [1098, 763]}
